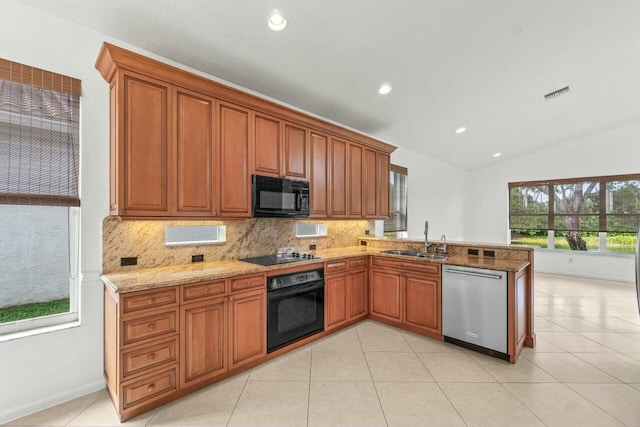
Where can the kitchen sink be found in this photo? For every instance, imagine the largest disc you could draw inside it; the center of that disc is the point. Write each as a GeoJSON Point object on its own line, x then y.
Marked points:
{"type": "Point", "coordinates": [413, 253]}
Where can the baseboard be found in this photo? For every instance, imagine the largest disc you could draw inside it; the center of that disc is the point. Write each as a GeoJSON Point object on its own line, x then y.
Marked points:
{"type": "Point", "coordinates": [32, 407]}
{"type": "Point", "coordinates": [584, 276]}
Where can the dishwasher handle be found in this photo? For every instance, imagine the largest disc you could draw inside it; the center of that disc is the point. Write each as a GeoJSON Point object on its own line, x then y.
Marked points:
{"type": "Point", "coordinates": [473, 273]}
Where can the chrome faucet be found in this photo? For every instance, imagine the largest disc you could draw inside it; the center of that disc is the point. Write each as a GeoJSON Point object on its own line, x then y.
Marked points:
{"type": "Point", "coordinates": [443, 239]}
{"type": "Point", "coordinates": [426, 237]}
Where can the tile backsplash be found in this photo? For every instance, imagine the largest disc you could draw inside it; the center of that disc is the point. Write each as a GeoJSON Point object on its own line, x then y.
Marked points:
{"type": "Point", "coordinates": [245, 238]}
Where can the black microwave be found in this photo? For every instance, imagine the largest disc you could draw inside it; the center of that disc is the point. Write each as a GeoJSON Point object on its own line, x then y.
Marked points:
{"type": "Point", "coordinates": [279, 197]}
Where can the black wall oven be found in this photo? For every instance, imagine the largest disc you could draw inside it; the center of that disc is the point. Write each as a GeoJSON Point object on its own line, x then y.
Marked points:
{"type": "Point", "coordinates": [279, 197]}
{"type": "Point", "coordinates": [295, 307]}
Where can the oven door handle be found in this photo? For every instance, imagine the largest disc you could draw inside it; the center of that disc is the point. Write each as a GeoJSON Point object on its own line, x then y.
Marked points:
{"type": "Point", "coordinates": [294, 290]}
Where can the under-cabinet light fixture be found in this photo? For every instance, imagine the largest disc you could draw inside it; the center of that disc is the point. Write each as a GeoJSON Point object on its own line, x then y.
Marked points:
{"type": "Point", "coordinates": [277, 21]}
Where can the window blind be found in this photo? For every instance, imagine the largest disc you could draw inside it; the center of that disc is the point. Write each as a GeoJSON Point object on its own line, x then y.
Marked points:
{"type": "Point", "coordinates": [397, 199]}
{"type": "Point", "coordinates": [39, 136]}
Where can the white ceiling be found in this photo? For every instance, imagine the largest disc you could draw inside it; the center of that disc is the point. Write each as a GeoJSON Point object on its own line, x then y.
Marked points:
{"type": "Point", "coordinates": [484, 65]}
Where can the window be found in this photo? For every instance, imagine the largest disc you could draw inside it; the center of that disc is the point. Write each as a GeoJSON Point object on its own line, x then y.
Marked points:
{"type": "Point", "coordinates": [397, 220]}
{"type": "Point", "coordinates": [581, 214]}
{"type": "Point", "coordinates": [39, 197]}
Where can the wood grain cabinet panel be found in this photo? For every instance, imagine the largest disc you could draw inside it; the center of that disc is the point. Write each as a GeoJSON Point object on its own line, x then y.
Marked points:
{"type": "Point", "coordinates": [203, 340]}
{"type": "Point", "coordinates": [338, 184]}
{"type": "Point", "coordinates": [383, 185]}
{"type": "Point", "coordinates": [370, 183]}
{"type": "Point", "coordinates": [357, 294]}
{"type": "Point", "coordinates": [319, 179]}
{"type": "Point", "coordinates": [152, 356]}
{"type": "Point", "coordinates": [422, 302]}
{"type": "Point", "coordinates": [149, 388]}
{"type": "Point", "coordinates": [386, 294]}
{"type": "Point", "coordinates": [296, 141]}
{"type": "Point", "coordinates": [145, 105]}
{"type": "Point", "coordinates": [195, 154]}
{"type": "Point", "coordinates": [248, 328]}
{"type": "Point", "coordinates": [354, 182]}
{"type": "Point", "coordinates": [266, 145]}
{"type": "Point", "coordinates": [145, 300]}
{"type": "Point", "coordinates": [335, 289]}
{"type": "Point", "coordinates": [150, 326]}
{"type": "Point", "coordinates": [235, 179]}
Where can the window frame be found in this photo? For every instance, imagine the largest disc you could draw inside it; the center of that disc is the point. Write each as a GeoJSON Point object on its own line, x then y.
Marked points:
{"type": "Point", "coordinates": [551, 214]}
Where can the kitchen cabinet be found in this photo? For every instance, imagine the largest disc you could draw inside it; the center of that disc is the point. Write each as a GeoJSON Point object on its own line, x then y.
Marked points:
{"type": "Point", "coordinates": [354, 181]}
{"type": "Point", "coordinates": [248, 326]}
{"type": "Point", "coordinates": [140, 146]}
{"type": "Point", "coordinates": [339, 179]}
{"type": "Point", "coordinates": [345, 292]}
{"type": "Point", "coordinates": [235, 179]}
{"type": "Point", "coordinates": [407, 294]}
{"type": "Point", "coordinates": [195, 154]}
{"type": "Point", "coordinates": [279, 148]}
{"type": "Point", "coordinates": [383, 185]}
{"type": "Point", "coordinates": [319, 178]}
{"type": "Point", "coordinates": [370, 183]}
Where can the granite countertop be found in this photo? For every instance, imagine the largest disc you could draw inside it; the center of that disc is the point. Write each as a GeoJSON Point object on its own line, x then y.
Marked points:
{"type": "Point", "coordinates": [138, 280]}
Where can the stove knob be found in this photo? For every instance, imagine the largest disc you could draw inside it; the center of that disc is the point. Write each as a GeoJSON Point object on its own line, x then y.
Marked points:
{"type": "Point", "coordinates": [296, 254]}
{"type": "Point", "coordinates": [311, 256]}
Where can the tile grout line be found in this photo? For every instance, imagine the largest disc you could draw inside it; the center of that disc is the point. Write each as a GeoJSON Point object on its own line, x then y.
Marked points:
{"type": "Point", "coordinates": [598, 406]}
{"type": "Point", "coordinates": [87, 407]}
{"type": "Point", "coordinates": [309, 393]}
{"type": "Point", "coordinates": [238, 399]}
{"type": "Point", "coordinates": [523, 404]}
{"type": "Point", "coordinates": [364, 354]}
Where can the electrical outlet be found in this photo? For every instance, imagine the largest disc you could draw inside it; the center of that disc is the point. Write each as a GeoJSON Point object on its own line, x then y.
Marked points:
{"type": "Point", "coordinates": [124, 261]}
{"type": "Point", "coordinates": [489, 254]}
{"type": "Point", "coordinates": [197, 258]}
{"type": "Point", "coordinates": [312, 247]}
{"type": "Point", "coordinates": [473, 252]}
{"type": "Point", "coordinates": [363, 243]}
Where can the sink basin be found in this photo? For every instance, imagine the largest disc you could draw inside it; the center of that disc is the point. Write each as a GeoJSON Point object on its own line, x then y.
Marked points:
{"type": "Point", "coordinates": [413, 253]}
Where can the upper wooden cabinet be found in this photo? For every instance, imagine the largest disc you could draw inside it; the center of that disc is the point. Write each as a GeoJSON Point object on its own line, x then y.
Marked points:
{"type": "Point", "coordinates": [319, 182]}
{"type": "Point", "coordinates": [280, 149]}
{"type": "Point", "coordinates": [235, 179]}
{"type": "Point", "coordinates": [195, 154]}
{"type": "Point", "coordinates": [186, 146]}
{"type": "Point", "coordinates": [140, 146]}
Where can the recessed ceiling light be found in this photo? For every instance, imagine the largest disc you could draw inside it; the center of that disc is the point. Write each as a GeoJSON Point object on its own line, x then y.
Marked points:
{"type": "Point", "coordinates": [497, 155]}
{"type": "Point", "coordinates": [461, 130]}
{"type": "Point", "coordinates": [277, 21]}
{"type": "Point", "coordinates": [385, 88]}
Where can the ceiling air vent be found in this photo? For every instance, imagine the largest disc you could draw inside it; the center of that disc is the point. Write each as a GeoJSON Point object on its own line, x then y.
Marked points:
{"type": "Point", "coordinates": [557, 93]}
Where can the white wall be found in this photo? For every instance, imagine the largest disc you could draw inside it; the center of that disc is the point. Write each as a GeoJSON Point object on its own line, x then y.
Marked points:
{"type": "Point", "coordinates": [43, 370]}
{"type": "Point", "coordinates": [616, 151]}
{"type": "Point", "coordinates": [436, 194]}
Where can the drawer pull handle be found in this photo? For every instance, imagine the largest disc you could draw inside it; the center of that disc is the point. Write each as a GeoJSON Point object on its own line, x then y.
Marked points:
{"type": "Point", "coordinates": [150, 388]}
{"type": "Point", "coordinates": [151, 356]}
{"type": "Point", "coordinates": [151, 326]}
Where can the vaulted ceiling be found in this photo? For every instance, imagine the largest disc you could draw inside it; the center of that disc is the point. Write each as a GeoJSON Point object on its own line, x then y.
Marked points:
{"type": "Point", "coordinates": [483, 65]}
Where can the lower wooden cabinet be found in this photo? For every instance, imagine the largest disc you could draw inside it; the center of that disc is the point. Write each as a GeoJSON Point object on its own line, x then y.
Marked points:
{"type": "Point", "coordinates": [406, 294]}
{"type": "Point", "coordinates": [345, 292]}
{"type": "Point", "coordinates": [248, 327]}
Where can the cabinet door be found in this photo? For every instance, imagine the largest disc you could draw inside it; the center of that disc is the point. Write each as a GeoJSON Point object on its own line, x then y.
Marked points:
{"type": "Point", "coordinates": [319, 149]}
{"type": "Point", "coordinates": [357, 294]}
{"type": "Point", "coordinates": [267, 156]}
{"type": "Point", "coordinates": [202, 341]}
{"type": "Point", "coordinates": [370, 183]}
{"type": "Point", "coordinates": [235, 179]}
{"type": "Point", "coordinates": [383, 185]}
{"type": "Point", "coordinates": [248, 328]}
{"type": "Point", "coordinates": [386, 288]}
{"type": "Point", "coordinates": [194, 153]}
{"type": "Point", "coordinates": [295, 151]}
{"type": "Point", "coordinates": [335, 304]}
{"type": "Point", "coordinates": [338, 184]}
{"type": "Point", "coordinates": [145, 154]}
{"type": "Point", "coordinates": [422, 302]}
{"type": "Point", "coordinates": [354, 183]}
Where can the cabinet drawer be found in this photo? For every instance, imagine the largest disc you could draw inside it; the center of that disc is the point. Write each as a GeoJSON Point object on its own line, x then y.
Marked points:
{"type": "Point", "coordinates": [335, 267]}
{"type": "Point", "coordinates": [427, 267]}
{"type": "Point", "coordinates": [150, 387]}
{"type": "Point", "coordinates": [148, 299]}
{"type": "Point", "coordinates": [137, 360]}
{"type": "Point", "coordinates": [357, 263]}
{"type": "Point", "coordinates": [202, 290]}
{"type": "Point", "coordinates": [248, 282]}
{"type": "Point", "coordinates": [142, 328]}
{"type": "Point", "coordinates": [386, 262]}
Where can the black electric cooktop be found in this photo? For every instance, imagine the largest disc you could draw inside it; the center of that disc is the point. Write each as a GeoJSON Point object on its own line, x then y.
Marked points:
{"type": "Point", "coordinates": [274, 259]}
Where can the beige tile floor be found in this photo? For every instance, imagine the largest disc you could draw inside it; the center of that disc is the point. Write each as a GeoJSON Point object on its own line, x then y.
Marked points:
{"type": "Point", "coordinates": [585, 371]}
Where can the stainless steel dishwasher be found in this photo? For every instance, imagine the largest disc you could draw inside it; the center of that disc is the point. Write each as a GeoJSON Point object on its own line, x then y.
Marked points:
{"type": "Point", "coordinates": [474, 308]}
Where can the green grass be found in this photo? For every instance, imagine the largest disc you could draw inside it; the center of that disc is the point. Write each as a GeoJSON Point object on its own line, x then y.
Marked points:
{"type": "Point", "coordinates": [617, 244]}
{"type": "Point", "coordinates": [37, 309]}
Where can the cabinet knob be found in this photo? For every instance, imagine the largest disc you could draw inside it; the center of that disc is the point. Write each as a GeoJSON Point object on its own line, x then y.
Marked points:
{"type": "Point", "coordinates": [150, 388]}
{"type": "Point", "coordinates": [151, 356]}
{"type": "Point", "coordinates": [151, 326]}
